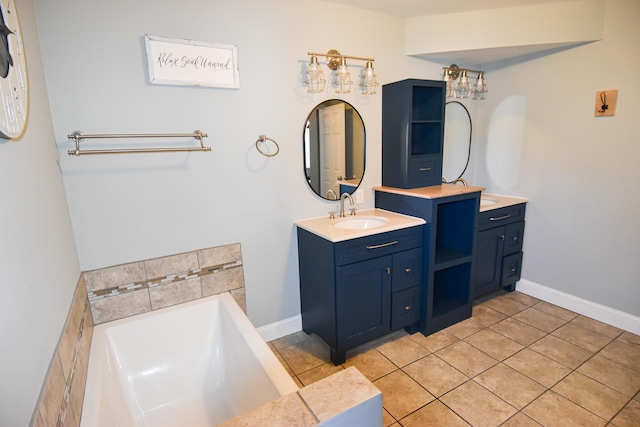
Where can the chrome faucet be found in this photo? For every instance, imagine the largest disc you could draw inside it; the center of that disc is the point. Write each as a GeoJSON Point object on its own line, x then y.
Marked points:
{"type": "Point", "coordinates": [345, 196]}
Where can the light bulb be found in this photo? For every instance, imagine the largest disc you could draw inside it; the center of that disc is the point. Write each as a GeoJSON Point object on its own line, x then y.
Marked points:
{"type": "Point", "coordinates": [480, 88]}
{"type": "Point", "coordinates": [369, 84]}
{"type": "Point", "coordinates": [315, 77]}
{"type": "Point", "coordinates": [449, 84]}
{"type": "Point", "coordinates": [343, 80]}
{"type": "Point", "coordinates": [463, 90]}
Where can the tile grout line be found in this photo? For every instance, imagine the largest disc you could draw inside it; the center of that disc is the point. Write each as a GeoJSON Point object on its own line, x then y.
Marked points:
{"type": "Point", "coordinates": [571, 370]}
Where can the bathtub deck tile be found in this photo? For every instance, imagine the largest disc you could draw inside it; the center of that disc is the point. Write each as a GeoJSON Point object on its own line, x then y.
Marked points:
{"type": "Point", "coordinates": [289, 410]}
{"type": "Point", "coordinates": [340, 393]}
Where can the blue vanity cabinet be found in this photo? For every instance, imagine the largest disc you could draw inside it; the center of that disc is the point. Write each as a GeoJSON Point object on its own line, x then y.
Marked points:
{"type": "Point", "coordinates": [498, 259]}
{"type": "Point", "coordinates": [451, 213]}
{"type": "Point", "coordinates": [360, 289]}
{"type": "Point", "coordinates": [412, 133]}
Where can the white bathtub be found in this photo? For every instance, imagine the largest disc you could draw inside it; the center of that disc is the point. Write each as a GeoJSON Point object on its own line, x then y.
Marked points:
{"type": "Point", "coordinates": [194, 364]}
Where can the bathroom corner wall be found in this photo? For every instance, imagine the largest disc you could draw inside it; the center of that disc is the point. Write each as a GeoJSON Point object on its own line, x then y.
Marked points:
{"type": "Point", "coordinates": [62, 394]}
{"type": "Point", "coordinates": [129, 289]}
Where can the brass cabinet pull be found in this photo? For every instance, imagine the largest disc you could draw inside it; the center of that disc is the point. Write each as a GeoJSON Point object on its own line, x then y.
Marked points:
{"type": "Point", "coordinates": [407, 270]}
{"type": "Point", "coordinates": [424, 169]}
{"type": "Point", "coordinates": [384, 245]}
{"type": "Point", "coordinates": [388, 271]}
{"type": "Point", "coordinates": [513, 270]}
{"type": "Point", "coordinates": [500, 217]}
{"type": "Point", "coordinates": [407, 307]}
{"type": "Point", "coordinates": [502, 237]}
{"type": "Point", "coordinates": [515, 238]}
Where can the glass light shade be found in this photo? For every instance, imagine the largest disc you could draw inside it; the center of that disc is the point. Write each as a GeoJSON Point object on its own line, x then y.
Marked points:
{"type": "Point", "coordinates": [480, 88]}
{"type": "Point", "coordinates": [342, 80]}
{"type": "Point", "coordinates": [449, 84]}
{"type": "Point", "coordinates": [315, 77]}
{"type": "Point", "coordinates": [463, 90]}
{"type": "Point", "coordinates": [369, 84]}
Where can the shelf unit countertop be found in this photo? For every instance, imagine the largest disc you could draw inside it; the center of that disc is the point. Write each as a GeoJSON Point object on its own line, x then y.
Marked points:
{"type": "Point", "coordinates": [432, 192]}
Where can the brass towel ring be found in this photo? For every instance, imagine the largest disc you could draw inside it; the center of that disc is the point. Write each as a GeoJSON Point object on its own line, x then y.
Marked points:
{"type": "Point", "coordinates": [263, 138]}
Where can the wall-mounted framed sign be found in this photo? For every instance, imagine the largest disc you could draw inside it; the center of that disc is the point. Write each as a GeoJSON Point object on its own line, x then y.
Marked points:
{"type": "Point", "coordinates": [191, 63]}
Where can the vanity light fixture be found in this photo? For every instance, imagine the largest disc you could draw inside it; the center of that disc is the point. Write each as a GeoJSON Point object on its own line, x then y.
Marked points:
{"type": "Point", "coordinates": [342, 78]}
{"type": "Point", "coordinates": [458, 86]}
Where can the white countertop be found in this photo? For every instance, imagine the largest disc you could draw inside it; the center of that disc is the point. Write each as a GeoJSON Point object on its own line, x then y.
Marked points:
{"type": "Point", "coordinates": [490, 201]}
{"type": "Point", "coordinates": [324, 226]}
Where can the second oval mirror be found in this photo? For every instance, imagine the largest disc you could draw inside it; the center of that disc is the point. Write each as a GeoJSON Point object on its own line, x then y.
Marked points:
{"type": "Point", "coordinates": [334, 149]}
{"type": "Point", "coordinates": [457, 141]}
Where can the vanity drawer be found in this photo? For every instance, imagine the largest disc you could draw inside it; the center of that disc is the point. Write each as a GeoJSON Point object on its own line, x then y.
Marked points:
{"type": "Point", "coordinates": [406, 271]}
{"type": "Point", "coordinates": [405, 308]}
{"type": "Point", "coordinates": [424, 171]}
{"type": "Point", "coordinates": [513, 238]}
{"type": "Point", "coordinates": [363, 248]}
{"type": "Point", "coordinates": [511, 269]}
{"type": "Point", "coordinates": [501, 216]}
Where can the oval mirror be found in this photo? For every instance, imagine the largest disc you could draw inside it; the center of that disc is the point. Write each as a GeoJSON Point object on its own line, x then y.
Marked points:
{"type": "Point", "coordinates": [334, 148]}
{"type": "Point", "coordinates": [457, 141]}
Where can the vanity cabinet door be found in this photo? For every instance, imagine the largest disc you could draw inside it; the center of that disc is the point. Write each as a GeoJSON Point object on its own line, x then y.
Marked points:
{"type": "Point", "coordinates": [363, 301]}
{"type": "Point", "coordinates": [488, 261]}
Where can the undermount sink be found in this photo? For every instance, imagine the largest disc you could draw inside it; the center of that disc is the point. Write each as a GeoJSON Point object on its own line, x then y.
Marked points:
{"type": "Point", "coordinates": [361, 223]}
{"type": "Point", "coordinates": [487, 202]}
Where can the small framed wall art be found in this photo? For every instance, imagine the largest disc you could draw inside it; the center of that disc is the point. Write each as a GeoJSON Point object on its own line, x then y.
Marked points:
{"type": "Point", "coordinates": [191, 63]}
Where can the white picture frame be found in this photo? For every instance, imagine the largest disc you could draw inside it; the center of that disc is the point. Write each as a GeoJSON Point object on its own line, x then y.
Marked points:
{"type": "Point", "coordinates": [191, 63]}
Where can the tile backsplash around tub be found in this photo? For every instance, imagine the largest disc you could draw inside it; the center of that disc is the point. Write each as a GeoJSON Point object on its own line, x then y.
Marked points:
{"type": "Point", "coordinates": [62, 393]}
{"type": "Point", "coordinates": [135, 288]}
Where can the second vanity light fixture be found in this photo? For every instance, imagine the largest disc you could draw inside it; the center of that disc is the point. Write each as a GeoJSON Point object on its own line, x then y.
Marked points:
{"type": "Point", "coordinates": [462, 88]}
{"type": "Point", "coordinates": [342, 82]}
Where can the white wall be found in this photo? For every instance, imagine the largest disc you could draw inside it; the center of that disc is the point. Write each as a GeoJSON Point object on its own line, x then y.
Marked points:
{"type": "Point", "coordinates": [539, 139]}
{"type": "Point", "coordinates": [126, 208]}
{"type": "Point", "coordinates": [38, 261]}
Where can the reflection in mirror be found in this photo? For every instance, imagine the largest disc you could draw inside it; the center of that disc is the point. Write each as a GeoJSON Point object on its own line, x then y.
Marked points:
{"type": "Point", "coordinates": [334, 149]}
{"type": "Point", "coordinates": [457, 142]}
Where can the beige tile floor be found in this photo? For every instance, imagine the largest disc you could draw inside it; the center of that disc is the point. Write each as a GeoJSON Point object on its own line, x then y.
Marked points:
{"type": "Point", "coordinates": [517, 361]}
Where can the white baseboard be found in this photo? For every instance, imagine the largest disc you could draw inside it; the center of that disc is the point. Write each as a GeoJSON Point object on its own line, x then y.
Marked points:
{"type": "Point", "coordinates": [280, 328]}
{"type": "Point", "coordinates": [605, 314]}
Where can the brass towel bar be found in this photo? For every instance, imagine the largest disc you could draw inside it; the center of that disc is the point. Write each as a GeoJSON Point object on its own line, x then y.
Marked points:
{"type": "Point", "coordinates": [78, 137]}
